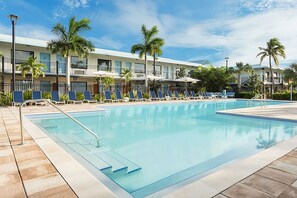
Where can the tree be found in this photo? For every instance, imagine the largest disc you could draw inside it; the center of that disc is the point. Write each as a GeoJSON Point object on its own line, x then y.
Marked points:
{"type": "Point", "coordinates": [255, 84]}
{"type": "Point", "coordinates": [241, 68]}
{"type": "Point", "coordinates": [30, 65]}
{"type": "Point", "coordinates": [181, 73]}
{"type": "Point", "coordinates": [70, 42]}
{"type": "Point", "coordinates": [108, 81]}
{"type": "Point", "coordinates": [127, 75]}
{"type": "Point", "coordinates": [151, 45]}
{"type": "Point", "coordinates": [273, 49]}
{"type": "Point", "coordinates": [290, 73]}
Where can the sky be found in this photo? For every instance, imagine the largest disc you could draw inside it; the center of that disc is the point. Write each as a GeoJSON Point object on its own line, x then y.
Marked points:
{"type": "Point", "coordinates": [192, 29]}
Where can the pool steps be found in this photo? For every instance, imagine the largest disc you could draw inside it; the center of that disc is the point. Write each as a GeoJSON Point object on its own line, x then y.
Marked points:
{"type": "Point", "coordinates": [105, 160]}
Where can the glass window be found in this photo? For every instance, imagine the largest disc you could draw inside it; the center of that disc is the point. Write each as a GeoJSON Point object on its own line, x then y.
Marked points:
{"type": "Point", "coordinates": [172, 73]}
{"type": "Point", "coordinates": [166, 72]}
{"type": "Point", "coordinates": [128, 65]}
{"type": "Point", "coordinates": [22, 85]}
{"type": "Point", "coordinates": [61, 64]}
{"type": "Point", "coordinates": [79, 86]}
{"type": "Point", "coordinates": [118, 67]}
{"type": "Point", "coordinates": [45, 58]}
{"type": "Point", "coordinates": [158, 70]}
{"type": "Point", "coordinates": [79, 63]}
{"type": "Point", "coordinates": [21, 55]}
{"type": "Point", "coordinates": [139, 68]}
{"type": "Point", "coordinates": [104, 65]}
{"type": "Point", "coordinates": [45, 86]}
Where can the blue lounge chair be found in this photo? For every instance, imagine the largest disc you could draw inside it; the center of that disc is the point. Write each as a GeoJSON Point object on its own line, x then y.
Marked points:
{"type": "Point", "coordinates": [140, 98]}
{"type": "Point", "coordinates": [153, 96]}
{"type": "Point", "coordinates": [88, 98]}
{"type": "Point", "coordinates": [56, 98]}
{"type": "Point", "coordinates": [72, 98]}
{"type": "Point", "coordinates": [119, 97]}
{"type": "Point", "coordinates": [230, 94]}
{"type": "Point", "coordinates": [187, 95]}
{"type": "Point", "coordinates": [107, 96]}
{"type": "Point", "coordinates": [131, 96]}
{"type": "Point", "coordinates": [193, 96]}
{"type": "Point", "coordinates": [171, 96]}
{"type": "Point", "coordinates": [160, 95]}
{"type": "Point", "coordinates": [36, 95]}
{"type": "Point", "coordinates": [177, 96]}
{"type": "Point", "coordinates": [17, 98]}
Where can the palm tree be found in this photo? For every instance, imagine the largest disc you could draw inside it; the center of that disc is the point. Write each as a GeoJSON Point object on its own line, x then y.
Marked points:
{"type": "Point", "coordinates": [241, 68]}
{"type": "Point", "coordinates": [127, 75]}
{"type": "Point", "coordinates": [272, 51]}
{"type": "Point", "coordinates": [108, 81]}
{"type": "Point", "coordinates": [70, 42]}
{"type": "Point", "coordinates": [290, 73]}
{"type": "Point", "coordinates": [30, 65]}
{"type": "Point", "coordinates": [150, 45]}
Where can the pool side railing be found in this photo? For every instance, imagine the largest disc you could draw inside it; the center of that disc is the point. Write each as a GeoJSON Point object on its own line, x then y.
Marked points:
{"type": "Point", "coordinates": [49, 102]}
{"type": "Point", "coordinates": [262, 98]}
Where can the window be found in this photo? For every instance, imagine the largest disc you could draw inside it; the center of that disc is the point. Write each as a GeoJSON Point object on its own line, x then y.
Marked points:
{"type": "Point", "coordinates": [61, 64]}
{"type": "Point", "coordinates": [139, 68]}
{"type": "Point", "coordinates": [104, 65]}
{"type": "Point", "coordinates": [158, 70]}
{"type": "Point", "coordinates": [79, 63]}
{"type": "Point", "coordinates": [45, 58]}
{"type": "Point", "coordinates": [45, 86]}
{"type": "Point", "coordinates": [166, 72]}
{"type": "Point", "coordinates": [172, 73]}
{"type": "Point", "coordinates": [118, 67]}
{"type": "Point", "coordinates": [79, 86]}
{"type": "Point", "coordinates": [275, 74]}
{"type": "Point", "coordinates": [21, 55]}
{"type": "Point", "coordinates": [22, 85]}
{"type": "Point", "coordinates": [128, 65]}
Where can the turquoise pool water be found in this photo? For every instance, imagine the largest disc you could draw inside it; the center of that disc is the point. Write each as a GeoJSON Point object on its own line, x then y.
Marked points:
{"type": "Point", "coordinates": [146, 148]}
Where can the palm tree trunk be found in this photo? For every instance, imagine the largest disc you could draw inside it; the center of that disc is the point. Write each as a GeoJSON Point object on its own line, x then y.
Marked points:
{"type": "Point", "coordinates": [145, 71]}
{"type": "Point", "coordinates": [154, 72]}
{"type": "Point", "coordinates": [32, 81]}
{"type": "Point", "coordinates": [68, 65]}
{"type": "Point", "coordinates": [238, 82]}
{"type": "Point", "coordinates": [272, 77]}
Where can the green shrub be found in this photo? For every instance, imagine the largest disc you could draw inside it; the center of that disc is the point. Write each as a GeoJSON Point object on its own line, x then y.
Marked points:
{"type": "Point", "coordinates": [96, 97]}
{"type": "Point", "coordinates": [46, 95]}
{"type": "Point", "coordinates": [79, 96]}
{"type": "Point", "coordinates": [5, 99]}
{"type": "Point", "coordinates": [28, 94]}
{"type": "Point", "coordinates": [284, 95]}
{"type": "Point", "coordinates": [146, 95]}
{"type": "Point", "coordinates": [246, 95]}
{"type": "Point", "coordinates": [64, 97]}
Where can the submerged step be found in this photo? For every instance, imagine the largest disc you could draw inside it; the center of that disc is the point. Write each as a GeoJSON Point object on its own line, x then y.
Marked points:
{"type": "Point", "coordinates": [132, 167]}
{"type": "Point", "coordinates": [116, 165]}
{"type": "Point", "coordinates": [93, 159]}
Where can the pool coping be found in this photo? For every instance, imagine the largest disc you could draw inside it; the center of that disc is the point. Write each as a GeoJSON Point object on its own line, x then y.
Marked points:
{"type": "Point", "coordinates": [212, 184]}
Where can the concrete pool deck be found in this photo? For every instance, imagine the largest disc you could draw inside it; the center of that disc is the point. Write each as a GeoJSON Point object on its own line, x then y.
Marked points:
{"type": "Point", "coordinates": [40, 168]}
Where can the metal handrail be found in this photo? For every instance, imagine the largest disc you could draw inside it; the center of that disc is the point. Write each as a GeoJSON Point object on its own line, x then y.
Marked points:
{"type": "Point", "coordinates": [69, 116]}
{"type": "Point", "coordinates": [259, 96]}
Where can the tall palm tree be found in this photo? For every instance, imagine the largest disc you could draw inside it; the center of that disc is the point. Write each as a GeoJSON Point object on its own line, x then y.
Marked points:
{"type": "Point", "coordinates": [108, 81]}
{"type": "Point", "coordinates": [70, 42]}
{"type": "Point", "coordinates": [127, 75]}
{"type": "Point", "coordinates": [241, 68]}
{"type": "Point", "coordinates": [151, 45]}
{"type": "Point", "coordinates": [30, 65]}
{"type": "Point", "coordinates": [290, 73]}
{"type": "Point", "coordinates": [273, 49]}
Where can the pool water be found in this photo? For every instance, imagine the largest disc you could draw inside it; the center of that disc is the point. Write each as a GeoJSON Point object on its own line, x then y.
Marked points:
{"type": "Point", "coordinates": [157, 145]}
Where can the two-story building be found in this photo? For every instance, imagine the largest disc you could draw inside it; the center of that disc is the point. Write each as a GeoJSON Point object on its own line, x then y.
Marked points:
{"type": "Point", "coordinates": [266, 77]}
{"type": "Point", "coordinates": [82, 70]}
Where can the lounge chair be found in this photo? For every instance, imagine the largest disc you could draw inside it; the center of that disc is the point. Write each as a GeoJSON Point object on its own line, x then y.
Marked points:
{"type": "Point", "coordinates": [88, 98]}
{"type": "Point", "coordinates": [119, 97]}
{"type": "Point", "coordinates": [187, 95]}
{"type": "Point", "coordinates": [230, 94]}
{"type": "Point", "coordinates": [171, 96]}
{"type": "Point", "coordinates": [108, 96]}
{"type": "Point", "coordinates": [131, 96]}
{"type": "Point", "coordinates": [193, 96]}
{"type": "Point", "coordinates": [72, 98]}
{"type": "Point", "coordinates": [56, 98]}
{"type": "Point", "coordinates": [177, 96]}
{"type": "Point", "coordinates": [140, 98]}
{"type": "Point", "coordinates": [153, 96]}
{"type": "Point", "coordinates": [208, 95]}
{"type": "Point", "coordinates": [160, 95]}
{"type": "Point", "coordinates": [17, 98]}
{"type": "Point", "coordinates": [36, 95]}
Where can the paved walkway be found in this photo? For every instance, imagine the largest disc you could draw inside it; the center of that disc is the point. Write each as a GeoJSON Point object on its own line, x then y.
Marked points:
{"type": "Point", "coordinates": [26, 171]}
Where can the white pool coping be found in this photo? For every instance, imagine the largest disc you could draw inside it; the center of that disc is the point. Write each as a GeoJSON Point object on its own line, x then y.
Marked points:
{"type": "Point", "coordinates": [84, 184]}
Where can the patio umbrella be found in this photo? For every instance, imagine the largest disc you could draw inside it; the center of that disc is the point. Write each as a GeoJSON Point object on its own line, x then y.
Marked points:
{"type": "Point", "coordinates": [186, 80]}
{"type": "Point", "coordinates": [101, 74]}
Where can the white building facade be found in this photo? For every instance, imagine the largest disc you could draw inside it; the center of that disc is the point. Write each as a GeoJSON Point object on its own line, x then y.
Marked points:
{"type": "Point", "coordinates": [81, 72]}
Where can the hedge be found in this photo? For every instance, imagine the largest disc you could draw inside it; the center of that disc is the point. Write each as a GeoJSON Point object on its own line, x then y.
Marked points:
{"type": "Point", "coordinates": [285, 95]}
{"type": "Point", "coordinates": [246, 95]}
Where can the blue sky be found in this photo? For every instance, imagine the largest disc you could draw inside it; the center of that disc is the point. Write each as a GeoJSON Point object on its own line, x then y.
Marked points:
{"type": "Point", "coordinates": [192, 29]}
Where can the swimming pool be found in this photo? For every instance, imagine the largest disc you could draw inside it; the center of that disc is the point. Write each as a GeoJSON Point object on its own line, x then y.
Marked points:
{"type": "Point", "coordinates": [146, 148]}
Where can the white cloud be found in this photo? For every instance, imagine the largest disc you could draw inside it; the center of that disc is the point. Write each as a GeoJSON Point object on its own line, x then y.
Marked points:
{"type": "Point", "coordinates": [68, 6]}
{"type": "Point", "coordinates": [73, 4]}
{"type": "Point", "coordinates": [2, 5]}
{"type": "Point", "coordinates": [264, 5]}
{"type": "Point", "coordinates": [106, 42]}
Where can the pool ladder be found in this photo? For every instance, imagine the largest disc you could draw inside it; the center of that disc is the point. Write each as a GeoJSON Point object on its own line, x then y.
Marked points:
{"type": "Point", "coordinates": [69, 116]}
{"type": "Point", "coordinates": [262, 98]}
